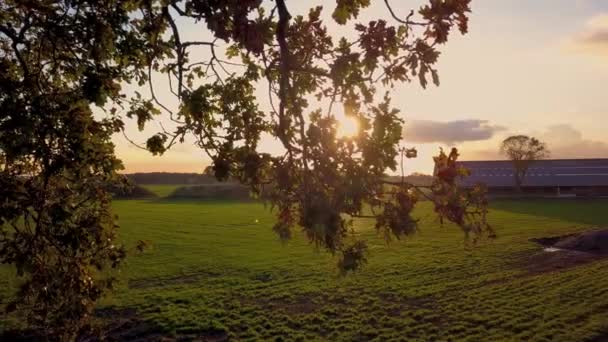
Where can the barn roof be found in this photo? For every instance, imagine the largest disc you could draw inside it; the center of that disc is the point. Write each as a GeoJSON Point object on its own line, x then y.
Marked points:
{"type": "Point", "coordinates": [555, 172]}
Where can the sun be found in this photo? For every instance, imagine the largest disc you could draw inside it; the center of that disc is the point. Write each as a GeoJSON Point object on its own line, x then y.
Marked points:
{"type": "Point", "coordinates": [348, 127]}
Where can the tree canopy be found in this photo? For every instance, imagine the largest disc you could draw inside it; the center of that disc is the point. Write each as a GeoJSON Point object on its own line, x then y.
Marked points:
{"type": "Point", "coordinates": [64, 67]}
{"type": "Point", "coordinates": [523, 151]}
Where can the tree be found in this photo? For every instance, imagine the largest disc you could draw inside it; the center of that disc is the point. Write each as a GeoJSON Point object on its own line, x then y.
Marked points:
{"type": "Point", "coordinates": [62, 60]}
{"type": "Point", "coordinates": [523, 151]}
{"type": "Point", "coordinates": [209, 171]}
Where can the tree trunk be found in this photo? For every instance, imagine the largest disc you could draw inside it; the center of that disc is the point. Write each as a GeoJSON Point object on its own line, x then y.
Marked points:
{"type": "Point", "coordinates": [518, 182]}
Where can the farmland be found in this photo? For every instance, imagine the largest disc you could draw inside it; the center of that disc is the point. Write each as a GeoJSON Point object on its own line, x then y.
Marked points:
{"type": "Point", "coordinates": [162, 190]}
{"type": "Point", "coordinates": [216, 270]}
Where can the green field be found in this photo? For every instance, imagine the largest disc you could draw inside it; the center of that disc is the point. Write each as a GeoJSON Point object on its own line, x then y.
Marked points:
{"type": "Point", "coordinates": [163, 190]}
{"type": "Point", "coordinates": [216, 270]}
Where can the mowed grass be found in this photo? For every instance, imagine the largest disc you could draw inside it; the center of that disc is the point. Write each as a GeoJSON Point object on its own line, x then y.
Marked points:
{"type": "Point", "coordinates": [162, 190]}
{"type": "Point", "coordinates": [216, 269]}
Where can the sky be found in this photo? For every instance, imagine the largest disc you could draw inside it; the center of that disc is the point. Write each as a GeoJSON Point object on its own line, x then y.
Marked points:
{"type": "Point", "coordinates": [536, 67]}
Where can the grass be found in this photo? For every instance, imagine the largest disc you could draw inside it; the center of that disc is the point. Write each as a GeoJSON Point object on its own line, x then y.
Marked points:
{"type": "Point", "coordinates": [216, 268]}
{"type": "Point", "coordinates": [162, 190]}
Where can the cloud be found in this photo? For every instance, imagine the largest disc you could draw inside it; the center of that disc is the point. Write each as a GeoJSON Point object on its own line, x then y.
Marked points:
{"type": "Point", "coordinates": [593, 39]}
{"type": "Point", "coordinates": [565, 141]}
{"type": "Point", "coordinates": [450, 132]}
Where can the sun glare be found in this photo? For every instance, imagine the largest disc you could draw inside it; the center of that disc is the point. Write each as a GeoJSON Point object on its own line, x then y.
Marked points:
{"type": "Point", "coordinates": [348, 127]}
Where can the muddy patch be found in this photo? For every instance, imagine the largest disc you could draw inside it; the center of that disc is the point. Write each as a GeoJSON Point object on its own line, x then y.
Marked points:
{"type": "Point", "coordinates": [544, 262]}
{"type": "Point", "coordinates": [595, 241]}
{"type": "Point", "coordinates": [567, 251]}
{"type": "Point", "coordinates": [550, 241]}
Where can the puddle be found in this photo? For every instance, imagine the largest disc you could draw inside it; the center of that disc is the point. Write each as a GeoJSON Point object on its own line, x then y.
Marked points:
{"type": "Point", "coordinates": [560, 253]}
{"type": "Point", "coordinates": [592, 241]}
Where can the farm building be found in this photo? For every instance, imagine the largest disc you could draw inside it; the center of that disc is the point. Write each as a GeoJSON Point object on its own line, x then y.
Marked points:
{"type": "Point", "coordinates": [558, 177]}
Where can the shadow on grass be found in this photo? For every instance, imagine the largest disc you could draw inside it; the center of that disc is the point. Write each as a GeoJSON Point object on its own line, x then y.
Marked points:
{"type": "Point", "coordinates": [586, 211]}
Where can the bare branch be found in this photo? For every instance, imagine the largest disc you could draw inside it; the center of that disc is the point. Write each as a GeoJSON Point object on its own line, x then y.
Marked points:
{"type": "Point", "coordinates": [132, 142]}
{"type": "Point", "coordinates": [407, 21]}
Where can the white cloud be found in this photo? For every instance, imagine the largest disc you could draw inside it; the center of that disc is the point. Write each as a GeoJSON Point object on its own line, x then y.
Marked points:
{"type": "Point", "coordinates": [563, 140]}
{"type": "Point", "coordinates": [450, 132]}
{"type": "Point", "coordinates": [593, 39]}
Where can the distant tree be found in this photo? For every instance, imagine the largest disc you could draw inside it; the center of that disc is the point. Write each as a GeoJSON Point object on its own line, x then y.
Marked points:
{"type": "Point", "coordinates": [420, 178]}
{"type": "Point", "coordinates": [170, 178]}
{"type": "Point", "coordinates": [209, 171]}
{"type": "Point", "coordinates": [59, 59]}
{"type": "Point", "coordinates": [523, 150]}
